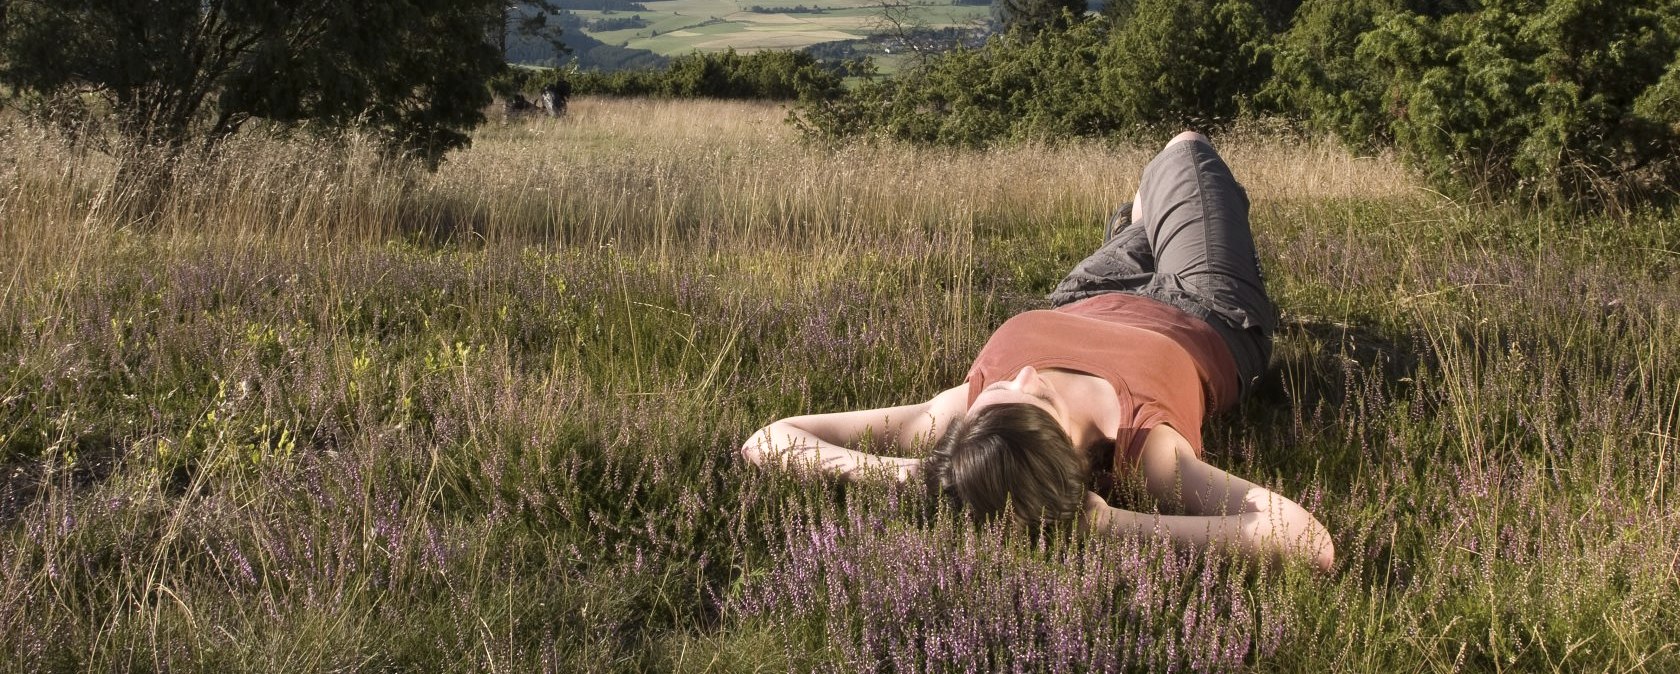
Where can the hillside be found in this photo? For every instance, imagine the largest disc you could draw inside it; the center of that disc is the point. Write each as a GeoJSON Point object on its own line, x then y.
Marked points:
{"type": "Point", "coordinates": [611, 34]}
{"type": "Point", "coordinates": [589, 52]}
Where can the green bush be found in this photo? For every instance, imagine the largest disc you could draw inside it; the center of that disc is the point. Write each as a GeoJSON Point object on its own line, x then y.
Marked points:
{"type": "Point", "coordinates": [1317, 78]}
{"type": "Point", "coordinates": [1553, 99]}
{"type": "Point", "coordinates": [527, 81]}
{"type": "Point", "coordinates": [1187, 63]}
{"type": "Point", "coordinates": [774, 75]}
{"type": "Point", "coordinates": [1549, 99]}
{"type": "Point", "coordinates": [170, 77]}
{"type": "Point", "coordinates": [1151, 66]}
{"type": "Point", "coordinates": [1019, 86]}
{"type": "Point", "coordinates": [1033, 16]}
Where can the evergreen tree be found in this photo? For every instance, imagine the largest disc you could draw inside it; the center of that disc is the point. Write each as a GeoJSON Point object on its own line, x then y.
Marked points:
{"type": "Point", "coordinates": [1189, 63]}
{"type": "Point", "coordinates": [1571, 99]}
{"type": "Point", "coordinates": [1036, 15]}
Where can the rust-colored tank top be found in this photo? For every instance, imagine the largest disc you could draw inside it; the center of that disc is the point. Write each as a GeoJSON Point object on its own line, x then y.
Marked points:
{"type": "Point", "coordinates": [1167, 366]}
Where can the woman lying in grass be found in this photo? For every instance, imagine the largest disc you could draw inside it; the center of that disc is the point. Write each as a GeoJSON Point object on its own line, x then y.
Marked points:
{"type": "Point", "coordinates": [1167, 321]}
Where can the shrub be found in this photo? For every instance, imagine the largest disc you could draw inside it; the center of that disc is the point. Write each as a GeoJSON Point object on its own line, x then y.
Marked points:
{"type": "Point", "coordinates": [776, 75]}
{"type": "Point", "coordinates": [1156, 66]}
{"type": "Point", "coordinates": [1555, 99]}
{"type": "Point", "coordinates": [1189, 63]}
{"type": "Point", "coordinates": [1017, 86]}
{"type": "Point", "coordinates": [1033, 16]}
{"type": "Point", "coordinates": [1317, 78]}
{"type": "Point", "coordinates": [781, 75]}
{"type": "Point", "coordinates": [529, 82]}
{"type": "Point", "coordinates": [172, 75]}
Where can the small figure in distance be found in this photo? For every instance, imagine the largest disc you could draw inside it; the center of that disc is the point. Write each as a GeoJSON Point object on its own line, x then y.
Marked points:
{"type": "Point", "coordinates": [1165, 324]}
{"type": "Point", "coordinates": [553, 98]}
{"type": "Point", "coordinates": [515, 106]}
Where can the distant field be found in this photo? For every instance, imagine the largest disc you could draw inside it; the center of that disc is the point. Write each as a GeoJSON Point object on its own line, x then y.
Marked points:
{"type": "Point", "coordinates": [682, 26]}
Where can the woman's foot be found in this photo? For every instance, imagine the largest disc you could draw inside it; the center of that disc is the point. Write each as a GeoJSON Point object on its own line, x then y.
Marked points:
{"type": "Point", "coordinates": [1121, 219]}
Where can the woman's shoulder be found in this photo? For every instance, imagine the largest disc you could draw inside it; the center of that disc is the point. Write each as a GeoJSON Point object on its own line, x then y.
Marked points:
{"type": "Point", "coordinates": [949, 404]}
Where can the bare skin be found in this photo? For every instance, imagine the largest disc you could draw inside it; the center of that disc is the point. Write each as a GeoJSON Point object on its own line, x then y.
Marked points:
{"type": "Point", "coordinates": [1222, 510]}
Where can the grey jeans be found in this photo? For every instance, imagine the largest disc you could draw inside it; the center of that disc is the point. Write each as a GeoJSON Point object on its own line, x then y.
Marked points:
{"type": "Point", "coordinates": [1193, 250]}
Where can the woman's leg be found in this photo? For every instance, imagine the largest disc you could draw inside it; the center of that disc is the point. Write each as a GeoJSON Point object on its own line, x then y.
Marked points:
{"type": "Point", "coordinates": [1188, 244]}
{"type": "Point", "coordinates": [1194, 215]}
{"type": "Point", "coordinates": [1124, 263]}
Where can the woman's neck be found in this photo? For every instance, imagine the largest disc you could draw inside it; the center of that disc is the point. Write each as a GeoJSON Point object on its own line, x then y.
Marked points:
{"type": "Point", "coordinates": [1093, 408]}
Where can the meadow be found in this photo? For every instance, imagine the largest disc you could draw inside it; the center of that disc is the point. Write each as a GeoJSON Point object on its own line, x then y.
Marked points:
{"type": "Point", "coordinates": [317, 412]}
{"type": "Point", "coordinates": [677, 27]}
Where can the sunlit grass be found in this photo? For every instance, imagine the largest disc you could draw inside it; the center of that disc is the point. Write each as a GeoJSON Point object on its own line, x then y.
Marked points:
{"type": "Point", "coordinates": [322, 413]}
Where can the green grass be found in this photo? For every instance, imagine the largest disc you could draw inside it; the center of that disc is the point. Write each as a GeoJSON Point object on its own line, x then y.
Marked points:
{"type": "Point", "coordinates": [715, 25]}
{"type": "Point", "coordinates": [318, 414]}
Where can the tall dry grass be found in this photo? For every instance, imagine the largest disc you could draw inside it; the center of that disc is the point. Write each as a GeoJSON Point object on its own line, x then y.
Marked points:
{"type": "Point", "coordinates": [639, 173]}
{"type": "Point", "coordinates": [319, 411]}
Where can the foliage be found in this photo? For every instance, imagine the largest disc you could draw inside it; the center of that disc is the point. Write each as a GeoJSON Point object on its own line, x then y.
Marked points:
{"type": "Point", "coordinates": [796, 9]}
{"type": "Point", "coordinates": [602, 5]}
{"type": "Point", "coordinates": [1553, 99]}
{"type": "Point", "coordinates": [1158, 67]}
{"type": "Point", "coordinates": [524, 25]}
{"type": "Point", "coordinates": [295, 433]}
{"type": "Point", "coordinates": [1278, 14]}
{"type": "Point", "coordinates": [1558, 99]}
{"type": "Point", "coordinates": [1191, 63]}
{"type": "Point", "coordinates": [530, 82]}
{"type": "Point", "coordinates": [167, 72]}
{"type": "Point", "coordinates": [1021, 85]}
{"type": "Point", "coordinates": [772, 75]}
{"type": "Point", "coordinates": [617, 23]}
{"type": "Point", "coordinates": [1033, 16]}
{"type": "Point", "coordinates": [581, 50]}
{"type": "Point", "coordinates": [1317, 77]}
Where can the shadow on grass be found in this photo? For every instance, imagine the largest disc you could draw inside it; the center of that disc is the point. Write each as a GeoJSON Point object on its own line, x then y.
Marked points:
{"type": "Point", "coordinates": [25, 476]}
{"type": "Point", "coordinates": [1314, 357]}
{"type": "Point", "coordinates": [1326, 401]}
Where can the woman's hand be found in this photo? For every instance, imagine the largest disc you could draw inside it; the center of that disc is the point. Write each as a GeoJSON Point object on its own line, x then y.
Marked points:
{"type": "Point", "coordinates": [824, 443]}
{"type": "Point", "coordinates": [784, 445]}
{"type": "Point", "coordinates": [1096, 515]}
{"type": "Point", "coordinates": [1272, 528]}
{"type": "Point", "coordinates": [908, 470]}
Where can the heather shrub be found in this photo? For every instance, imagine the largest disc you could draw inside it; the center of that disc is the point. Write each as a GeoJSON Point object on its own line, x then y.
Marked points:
{"type": "Point", "coordinates": [331, 415]}
{"type": "Point", "coordinates": [919, 593]}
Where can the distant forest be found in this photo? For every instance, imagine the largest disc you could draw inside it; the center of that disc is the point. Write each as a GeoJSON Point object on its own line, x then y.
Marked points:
{"type": "Point", "coordinates": [590, 53]}
{"type": "Point", "coordinates": [602, 5]}
{"type": "Point", "coordinates": [607, 23]}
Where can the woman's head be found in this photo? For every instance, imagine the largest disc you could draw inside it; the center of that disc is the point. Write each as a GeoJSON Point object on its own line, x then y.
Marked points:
{"type": "Point", "coordinates": [1010, 453]}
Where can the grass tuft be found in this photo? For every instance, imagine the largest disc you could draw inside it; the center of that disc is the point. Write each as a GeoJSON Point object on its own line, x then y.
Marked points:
{"type": "Point", "coordinates": [320, 411]}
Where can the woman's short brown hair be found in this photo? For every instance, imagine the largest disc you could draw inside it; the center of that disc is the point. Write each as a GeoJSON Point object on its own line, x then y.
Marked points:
{"type": "Point", "coordinates": [1011, 454]}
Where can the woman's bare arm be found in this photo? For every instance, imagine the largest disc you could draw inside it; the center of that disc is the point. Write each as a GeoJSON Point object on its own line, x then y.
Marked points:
{"type": "Point", "coordinates": [827, 442]}
{"type": "Point", "coordinates": [1222, 509]}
